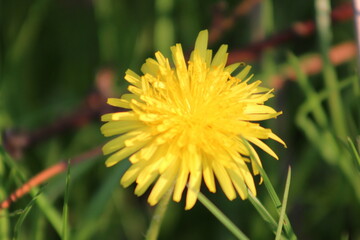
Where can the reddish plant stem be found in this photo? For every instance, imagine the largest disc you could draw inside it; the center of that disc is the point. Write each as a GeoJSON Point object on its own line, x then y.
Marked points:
{"type": "Point", "coordinates": [297, 31]}
{"type": "Point", "coordinates": [46, 175]}
{"type": "Point", "coordinates": [313, 64]}
{"type": "Point", "coordinates": [221, 24]}
{"type": "Point", "coordinates": [356, 4]}
{"type": "Point", "coordinates": [94, 105]}
{"type": "Point", "coordinates": [16, 142]}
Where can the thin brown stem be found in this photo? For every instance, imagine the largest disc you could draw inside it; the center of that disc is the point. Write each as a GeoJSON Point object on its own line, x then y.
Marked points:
{"type": "Point", "coordinates": [298, 30]}
{"type": "Point", "coordinates": [221, 24]}
{"type": "Point", "coordinates": [16, 142]}
{"type": "Point", "coordinates": [313, 64]}
{"type": "Point", "coordinates": [46, 175]}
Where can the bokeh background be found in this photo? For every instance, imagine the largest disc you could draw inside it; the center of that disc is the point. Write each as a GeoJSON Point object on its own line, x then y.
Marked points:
{"type": "Point", "coordinates": [61, 59]}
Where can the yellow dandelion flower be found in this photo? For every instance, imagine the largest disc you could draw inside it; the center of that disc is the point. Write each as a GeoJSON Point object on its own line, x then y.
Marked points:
{"type": "Point", "coordinates": [187, 123]}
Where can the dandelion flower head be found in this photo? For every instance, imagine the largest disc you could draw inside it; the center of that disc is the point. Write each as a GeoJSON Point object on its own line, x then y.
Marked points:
{"type": "Point", "coordinates": [187, 123]}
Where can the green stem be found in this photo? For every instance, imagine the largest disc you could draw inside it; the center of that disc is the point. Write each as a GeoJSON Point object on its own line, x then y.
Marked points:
{"type": "Point", "coordinates": [283, 207]}
{"type": "Point", "coordinates": [154, 229]}
{"type": "Point", "coordinates": [323, 20]}
{"type": "Point", "coordinates": [221, 217]}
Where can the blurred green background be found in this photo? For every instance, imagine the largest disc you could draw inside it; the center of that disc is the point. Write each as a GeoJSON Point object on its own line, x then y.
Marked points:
{"type": "Point", "coordinates": [57, 53]}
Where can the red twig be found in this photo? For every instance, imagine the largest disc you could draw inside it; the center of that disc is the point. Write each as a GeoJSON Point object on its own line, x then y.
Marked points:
{"type": "Point", "coordinates": [94, 106]}
{"type": "Point", "coordinates": [15, 142]}
{"type": "Point", "coordinates": [311, 65]}
{"type": "Point", "coordinates": [356, 4]}
{"type": "Point", "coordinates": [46, 175]}
{"type": "Point", "coordinates": [296, 31]}
{"type": "Point", "coordinates": [222, 24]}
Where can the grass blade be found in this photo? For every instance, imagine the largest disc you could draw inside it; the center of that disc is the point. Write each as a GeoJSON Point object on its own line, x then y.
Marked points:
{"type": "Point", "coordinates": [23, 215]}
{"type": "Point", "coordinates": [354, 153]}
{"type": "Point", "coordinates": [65, 226]}
{"type": "Point", "coordinates": [4, 217]}
{"type": "Point", "coordinates": [269, 187]}
{"type": "Point", "coordinates": [42, 201]}
{"type": "Point", "coordinates": [335, 103]}
{"type": "Point", "coordinates": [154, 228]}
{"type": "Point", "coordinates": [96, 205]}
{"type": "Point", "coordinates": [312, 96]}
{"type": "Point", "coordinates": [222, 217]}
{"type": "Point", "coordinates": [283, 208]}
{"type": "Point", "coordinates": [266, 216]}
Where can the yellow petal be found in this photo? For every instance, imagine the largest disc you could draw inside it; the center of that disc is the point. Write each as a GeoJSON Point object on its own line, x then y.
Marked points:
{"type": "Point", "coordinates": [248, 178]}
{"type": "Point", "coordinates": [117, 142]}
{"type": "Point", "coordinates": [220, 57]}
{"type": "Point", "coordinates": [131, 174]}
{"type": "Point", "coordinates": [151, 67]}
{"type": "Point", "coordinates": [208, 57]}
{"type": "Point", "coordinates": [171, 156]}
{"type": "Point", "coordinates": [130, 96]}
{"type": "Point", "coordinates": [201, 44]}
{"type": "Point", "coordinates": [113, 128]}
{"type": "Point", "coordinates": [117, 102]}
{"type": "Point", "coordinates": [238, 181]}
{"type": "Point", "coordinates": [263, 146]}
{"type": "Point", "coordinates": [135, 90]}
{"type": "Point", "coordinates": [231, 68]}
{"type": "Point", "coordinates": [143, 186]}
{"type": "Point", "coordinates": [146, 178]}
{"type": "Point", "coordinates": [133, 78]}
{"type": "Point", "coordinates": [208, 176]}
{"type": "Point", "coordinates": [276, 138]}
{"type": "Point", "coordinates": [193, 189]}
{"type": "Point", "coordinates": [224, 180]}
{"type": "Point", "coordinates": [241, 75]}
{"type": "Point", "coordinates": [138, 139]}
{"type": "Point", "coordinates": [181, 180]}
{"type": "Point", "coordinates": [163, 184]}
{"type": "Point", "coordinates": [255, 161]}
{"type": "Point", "coordinates": [123, 116]}
{"type": "Point", "coordinates": [257, 109]}
{"type": "Point", "coordinates": [122, 154]}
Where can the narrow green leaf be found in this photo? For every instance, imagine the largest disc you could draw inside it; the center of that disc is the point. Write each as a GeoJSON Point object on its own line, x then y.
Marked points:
{"type": "Point", "coordinates": [40, 226]}
{"type": "Point", "coordinates": [222, 217]}
{"type": "Point", "coordinates": [23, 215]}
{"type": "Point", "coordinates": [283, 208]}
{"type": "Point", "coordinates": [275, 199]}
{"type": "Point", "coordinates": [335, 103]}
{"type": "Point", "coordinates": [65, 225]}
{"type": "Point", "coordinates": [95, 207]}
{"type": "Point", "coordinates": [42, 201]}
{"type": "Point", "coordinates": [154, 228]}
{"type": "Point", "coordinates": [266, 216]}
{"type": "Point", "coordinates": [269, 187]}
{"type": "Point", "coordinates": [4, 216]}
{"type": "Point", "coordinates": [354, 152]}
{"type": "Point", "coordinates": [312, 96]}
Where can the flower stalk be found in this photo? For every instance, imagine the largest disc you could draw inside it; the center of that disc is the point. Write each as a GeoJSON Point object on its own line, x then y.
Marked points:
{"type": "Point", "coordinates": [157, 218]}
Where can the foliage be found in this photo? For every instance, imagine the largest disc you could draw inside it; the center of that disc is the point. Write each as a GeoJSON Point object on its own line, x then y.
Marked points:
{"type": "Point", "coordinates": [53, 51]}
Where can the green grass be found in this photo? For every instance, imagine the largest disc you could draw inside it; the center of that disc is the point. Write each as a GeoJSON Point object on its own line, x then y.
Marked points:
{"type": "Point", "coordinates": [51, 52]}
{"type": "Point", "coordinates": [65, 223]}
